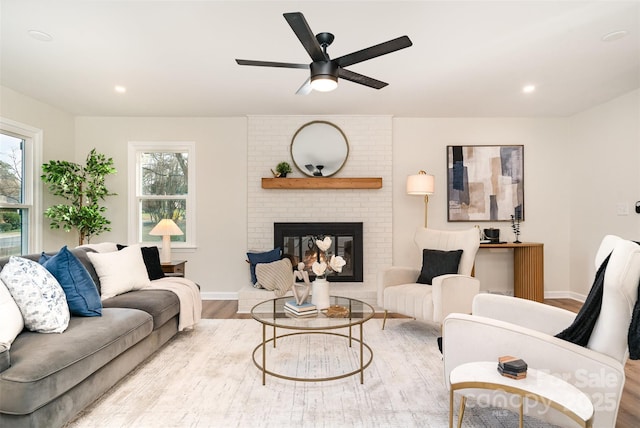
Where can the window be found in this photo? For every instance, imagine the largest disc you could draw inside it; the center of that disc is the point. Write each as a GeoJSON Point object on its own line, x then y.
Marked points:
{"type": "Point", "coordinates": [161, 184]}
{"type": "Point", "coordinates": [20, 159]}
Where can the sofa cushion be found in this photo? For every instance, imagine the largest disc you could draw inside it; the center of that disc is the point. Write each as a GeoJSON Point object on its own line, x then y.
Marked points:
{"type": "Point", "coordinates": [161, 304]}
{"type": "Point", "coordinates": [120, 271]}
{"type": "Point", "coordinates": [81, 292]}
{"type": "Point", "coordinates": [38, 294]}
{"type": "Point", "coordinates": [46, 366]}
{"type": "Point", "coordinates": [437, 262]}
{"type": "Point", "coordinates": [11, 322]}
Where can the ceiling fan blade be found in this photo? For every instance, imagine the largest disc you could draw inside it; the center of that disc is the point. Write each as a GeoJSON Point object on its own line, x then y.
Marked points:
{"type": "Point", "coordinates": [374, 51]}
{"type": "Point", "coordinates": [271, 64]}
{"type": "Point", "coordinates": [361, 79]}
{"type": "Point", "coordinates": [306, 88]}
{"type": "Point", "coordinates": [299, 26]}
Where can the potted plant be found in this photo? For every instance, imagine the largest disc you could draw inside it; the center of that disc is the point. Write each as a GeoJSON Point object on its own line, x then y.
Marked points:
{"type": "Point", "coordinates": [83, 187]}
{"type": "Point", "coordinates": [283, 169]}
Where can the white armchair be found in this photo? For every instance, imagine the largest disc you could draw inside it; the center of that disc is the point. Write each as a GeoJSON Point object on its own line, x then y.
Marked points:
{"type": "Point", "coordinates": [502, 325]}
{"type": "Point", "coordinates": [399, 292]}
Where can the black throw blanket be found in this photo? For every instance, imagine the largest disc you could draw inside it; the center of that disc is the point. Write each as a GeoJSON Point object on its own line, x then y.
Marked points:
{"type": "Point", "coordinates": [580, 330]}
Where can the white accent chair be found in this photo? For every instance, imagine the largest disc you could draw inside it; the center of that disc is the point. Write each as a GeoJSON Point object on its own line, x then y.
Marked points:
{"type": "Point", "coordinates": [398, 291]}
{"type": "Point", "coordinates": [502, 325]}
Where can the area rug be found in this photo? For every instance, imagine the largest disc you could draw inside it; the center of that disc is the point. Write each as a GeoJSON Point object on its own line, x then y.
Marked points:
{"type": "Point", "coordinates": [207, 378]}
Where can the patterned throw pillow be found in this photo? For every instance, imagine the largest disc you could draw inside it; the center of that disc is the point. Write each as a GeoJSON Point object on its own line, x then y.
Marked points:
{"type": "Point", "coordinates": [39, 296]}
{"type": "Point", "coordinates": [275, 276]}
{"type": "Point", "coordinates": [265, 257]}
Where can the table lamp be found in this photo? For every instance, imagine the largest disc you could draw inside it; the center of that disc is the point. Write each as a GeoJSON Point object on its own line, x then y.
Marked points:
{"type": "Point", "coordinates": [421, 184]}
{"type": "Point", "coordinates": [166, 228]}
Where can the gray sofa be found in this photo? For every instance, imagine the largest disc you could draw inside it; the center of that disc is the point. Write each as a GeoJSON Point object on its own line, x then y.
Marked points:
{"type": "Point", "coordinates": [50, 378]}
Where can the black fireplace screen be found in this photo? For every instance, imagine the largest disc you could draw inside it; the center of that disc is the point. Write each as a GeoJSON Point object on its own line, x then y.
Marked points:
{"type": "Point", "coordinates": [297, 241]}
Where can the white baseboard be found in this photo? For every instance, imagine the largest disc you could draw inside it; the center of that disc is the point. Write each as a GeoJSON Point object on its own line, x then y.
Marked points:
{"type": "Point", "coordinates": [565, 295]}
{"type": "Point", "coordinates": [219, 295]}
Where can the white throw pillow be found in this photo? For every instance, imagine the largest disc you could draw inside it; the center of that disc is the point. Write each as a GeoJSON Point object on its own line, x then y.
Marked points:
{"type": "Point", "coordinates": [103, 247]}
{"type": "Point", "coordinates": [120, 271]}
{"type": "Point", "coordinates": [275, 276]}
{"type": "Point", "coordinates": [38, 294]}
{"type": "Point", "coordinates": [11, 322]}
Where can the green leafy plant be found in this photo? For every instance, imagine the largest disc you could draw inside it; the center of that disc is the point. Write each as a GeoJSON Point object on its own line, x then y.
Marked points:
{"type": "Point", "coordinates": [283, 169]}
{"type": "Point", "coordinates": [83, 187]}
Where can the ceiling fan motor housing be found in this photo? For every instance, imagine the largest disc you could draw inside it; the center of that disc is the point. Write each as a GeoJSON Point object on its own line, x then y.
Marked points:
{"type": "Point", "coordinates": [324, 68]}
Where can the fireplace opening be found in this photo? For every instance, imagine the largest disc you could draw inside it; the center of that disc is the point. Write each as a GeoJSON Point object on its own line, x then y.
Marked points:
{"type": "Point", "coordinates": [297, 241]}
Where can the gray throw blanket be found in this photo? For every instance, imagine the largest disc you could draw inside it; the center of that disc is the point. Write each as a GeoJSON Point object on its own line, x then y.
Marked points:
{"type": "Point", "coordinates": [580, 330]}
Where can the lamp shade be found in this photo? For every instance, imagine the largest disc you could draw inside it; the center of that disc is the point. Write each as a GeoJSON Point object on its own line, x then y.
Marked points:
{"type": "Point", "coordinates": [420, 184]}
{"type": "Point", "coordinates": [166, 227]}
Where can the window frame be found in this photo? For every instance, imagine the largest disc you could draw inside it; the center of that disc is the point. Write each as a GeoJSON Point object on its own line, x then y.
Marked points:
{"type": "Point", "coordinates": [32, 186]}
{"type": "Point", "coordinates": [135, 189]}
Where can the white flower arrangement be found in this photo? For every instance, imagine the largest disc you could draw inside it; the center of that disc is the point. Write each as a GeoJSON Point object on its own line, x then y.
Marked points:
{"type": "Point", "coordinates": [321, 269]}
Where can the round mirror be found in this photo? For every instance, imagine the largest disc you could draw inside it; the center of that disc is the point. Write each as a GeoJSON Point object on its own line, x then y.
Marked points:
{"type": "Point", "coordinates": [319, 149]}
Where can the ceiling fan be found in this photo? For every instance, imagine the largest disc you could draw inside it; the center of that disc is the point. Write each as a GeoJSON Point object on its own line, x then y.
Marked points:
{"type": "Point", "coordinates": [325, 71]}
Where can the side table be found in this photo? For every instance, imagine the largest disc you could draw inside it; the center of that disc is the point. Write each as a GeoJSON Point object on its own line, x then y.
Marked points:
{"type": "Point", "coordinates": [173, 268]}
{"type": "Point", "coordinates": [538, 386]}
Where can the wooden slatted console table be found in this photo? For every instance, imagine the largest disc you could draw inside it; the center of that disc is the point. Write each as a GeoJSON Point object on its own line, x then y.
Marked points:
{"type": "Point", "coordinates": [528, 269]}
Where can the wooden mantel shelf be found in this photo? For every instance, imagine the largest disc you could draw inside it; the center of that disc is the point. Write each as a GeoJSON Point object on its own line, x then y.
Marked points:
{"type": "Point", "coordinates": [322, 183]}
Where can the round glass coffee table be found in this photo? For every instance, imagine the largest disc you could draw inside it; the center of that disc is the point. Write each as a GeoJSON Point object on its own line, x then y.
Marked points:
{"type": "Point", "coordinates": [345, 313]}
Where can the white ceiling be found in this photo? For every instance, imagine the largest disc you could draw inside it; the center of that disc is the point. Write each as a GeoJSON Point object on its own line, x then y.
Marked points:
{"type": "Point", "coordinates": [176, 58]}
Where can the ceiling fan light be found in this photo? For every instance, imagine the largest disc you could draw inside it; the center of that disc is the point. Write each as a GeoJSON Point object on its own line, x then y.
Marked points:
{"type": "Point", "coordinates": [324, 83]}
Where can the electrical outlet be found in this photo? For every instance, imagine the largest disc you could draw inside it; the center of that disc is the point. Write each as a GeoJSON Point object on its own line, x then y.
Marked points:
{"type": "Point", "coordinates": [622, 208]}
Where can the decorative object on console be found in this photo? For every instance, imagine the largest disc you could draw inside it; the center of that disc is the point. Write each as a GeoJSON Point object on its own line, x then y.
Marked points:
{"type": "Point", "coordinates": [515, 223]}
{"type": "Point", "coordinates": [319, 149]}
{"type": "Point", "coordinates": [477, 175]}
{"type": "Point", "coordinates": [301, 290]}
{"type": "Point", "coordinates": [421, 184]}
{"type": "Point", "coordinates": [166, 228]}
{"type": "Point", "coordinates": [492, 235]}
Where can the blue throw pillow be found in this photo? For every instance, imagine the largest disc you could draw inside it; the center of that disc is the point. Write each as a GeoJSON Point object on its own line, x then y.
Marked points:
{"type": "Point", "coordinates": [266, 257]}
{"type": "Point", "coordinates": [81, 292]}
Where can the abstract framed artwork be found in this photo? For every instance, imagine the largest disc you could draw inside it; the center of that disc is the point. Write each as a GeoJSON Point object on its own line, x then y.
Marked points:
{"type": "Point", "coordinates": [485, 183]}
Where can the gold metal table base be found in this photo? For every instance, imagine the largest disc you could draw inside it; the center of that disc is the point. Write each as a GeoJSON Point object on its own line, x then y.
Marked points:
{"type": "Point", "coordinates": [265, 341]}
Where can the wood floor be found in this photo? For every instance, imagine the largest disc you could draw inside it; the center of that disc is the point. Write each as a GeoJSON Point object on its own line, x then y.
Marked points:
{"type": "Point", "coordinates": [628, 416]}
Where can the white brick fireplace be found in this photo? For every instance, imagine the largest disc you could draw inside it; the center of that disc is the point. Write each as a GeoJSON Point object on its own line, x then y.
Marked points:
{"type": "Point", "coordinates": [370, 155]}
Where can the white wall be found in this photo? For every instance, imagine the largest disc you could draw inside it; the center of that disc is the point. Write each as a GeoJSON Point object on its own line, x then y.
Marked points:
{"type": "Point", "coordinates": [58, 143]}
{"type": "Point", "coordinates": [604, 157]}
{"type": "Point", "coordinates": [217, 264]}
{"type": "Point", "coordinates": [421, 144]}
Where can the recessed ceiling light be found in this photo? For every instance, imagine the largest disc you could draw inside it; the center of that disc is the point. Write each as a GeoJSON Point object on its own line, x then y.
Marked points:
{"type": "Point", "coordinates": [40, 35]}
{"type": "Point", "coordinates": [527, 89]}
{"type": "Point", "coordinates": [614, 35]}
{"type": "Point", "coordinates": [120, 89]}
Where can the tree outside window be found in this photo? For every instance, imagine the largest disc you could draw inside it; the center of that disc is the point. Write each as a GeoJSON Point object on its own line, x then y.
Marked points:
{"type": "Point", "coordinates": [163, 189]}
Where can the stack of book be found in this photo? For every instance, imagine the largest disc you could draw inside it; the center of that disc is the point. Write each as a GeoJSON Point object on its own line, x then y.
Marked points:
{"type": "Point", "coordinates": [304, 310]}
{"type": "Point", "coordinates": [512, 367]}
